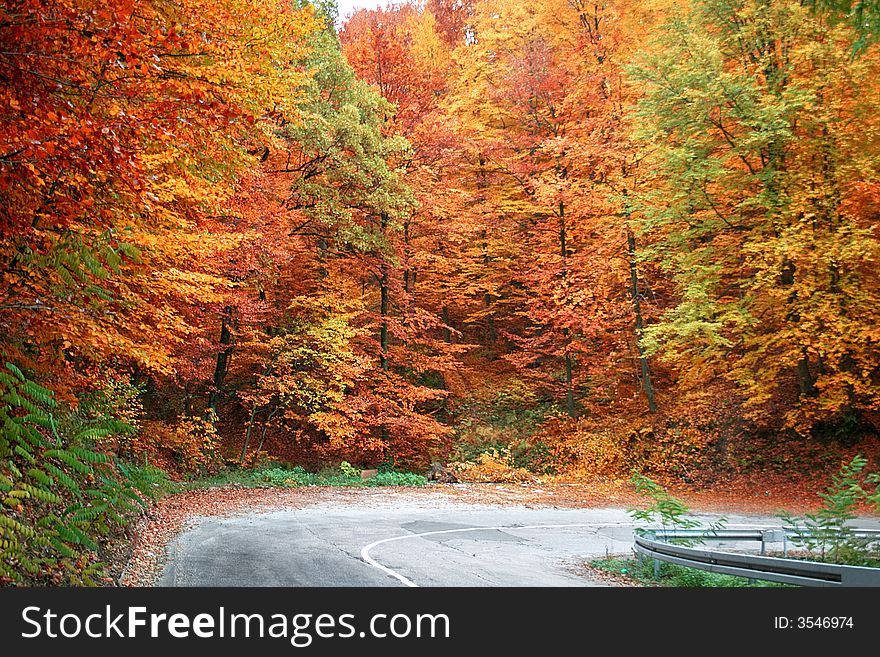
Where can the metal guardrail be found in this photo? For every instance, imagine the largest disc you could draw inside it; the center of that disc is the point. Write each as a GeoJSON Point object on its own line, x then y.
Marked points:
{"type": "Point", "coordinates": [774, 569]}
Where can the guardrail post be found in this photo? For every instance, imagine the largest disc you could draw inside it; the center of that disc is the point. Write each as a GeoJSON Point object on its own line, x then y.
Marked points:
{"type": "Point", "coordinates": [772, 536]}
{"type": "Point", "coordinates": [656, 568]}
{"type": "Point", "coordinates": [764, 539]}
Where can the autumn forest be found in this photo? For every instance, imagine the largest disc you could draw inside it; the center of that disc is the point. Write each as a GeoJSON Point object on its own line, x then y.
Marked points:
{"type": "Point", "coordinates": [559, 237]}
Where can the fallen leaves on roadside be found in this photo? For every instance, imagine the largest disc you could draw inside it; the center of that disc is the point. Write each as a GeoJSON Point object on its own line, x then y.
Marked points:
{"type": "Point", "coordinates": [171, 515]}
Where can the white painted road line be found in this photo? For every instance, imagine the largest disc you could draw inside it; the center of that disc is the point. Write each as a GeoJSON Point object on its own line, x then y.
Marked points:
{"type": "Point", "coordinates": [365, 552]}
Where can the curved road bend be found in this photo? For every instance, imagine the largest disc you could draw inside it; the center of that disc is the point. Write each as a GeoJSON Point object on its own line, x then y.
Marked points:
{"type": "Point", "coordinates": [406, 544]}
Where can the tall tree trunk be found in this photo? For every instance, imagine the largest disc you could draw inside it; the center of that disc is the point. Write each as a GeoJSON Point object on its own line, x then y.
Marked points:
{"type": "Point", "coordinates": [187, 401]}
{"type": "Point", "coordinates": [482, 185]}
{"type": "Point", "coordinates": [647, 382]}
{"type": "Point", "coordinates": [776, 165]}
{"type": "Point", "coordinates": [569, 388]}
{"type": "Point", "coordinates": [247, 436]}
{"type": "Point", "coordinates": [223, 358]}
{"type": "Point", "coordinates": [266, 428]}
{"type": "Point", "coordinates": [383, 306]}
{"type": "Point", "coordinates": [409, 278]}
{"type": "Point", "coordinates": [569, 361]}
{"type": "Point", "coordinates": [491, 332]}
{"type": "Point", "coordinates": [806, 384]}
{"type": "Point", "coordinates": [447, 334]}
{"type": "Point", "coordinates": [149, 396]}
{"type": "Point", "coordinates": [323, 248]}
{"type": "Point", "coordinates": [383, 330]}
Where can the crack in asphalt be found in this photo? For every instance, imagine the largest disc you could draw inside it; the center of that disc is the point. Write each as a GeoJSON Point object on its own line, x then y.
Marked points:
{"type": "Point", "coordinates": [327, 541]}
{"type": "Point", "coordinates": [365, 552]}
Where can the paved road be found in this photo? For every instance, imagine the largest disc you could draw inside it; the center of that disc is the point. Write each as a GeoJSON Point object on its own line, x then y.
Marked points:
{"type": "Point", "coordinates": [407, 544]}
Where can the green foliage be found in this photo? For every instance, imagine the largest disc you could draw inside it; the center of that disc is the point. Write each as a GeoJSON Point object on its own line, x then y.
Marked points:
{"type": "Point", "coordinates": [112, 409]}
{"type": "Point", "coordinates": [533, 455]}
{"type": "Point", "coordinates": [826, 532]}
{"type": "Point", "coordinates": [78, 265]}
{"type": "Point", "coordinates": [862, 15]}
{"type": "Point", "coordinates": [60, 497]}
{"type": "Point", "coordinates": [668, 511]}
{"type": "Point", "coordinates": [508, 419]}
{"type": "Point", "coordinates": [147, 479]}
{"type": "Point", "coordinates": [873, 479]}
{"type": "Point", "coordinates": [770, 254]}
{"type": "Point", "coordinates": [347, 154]}
{"type": "Point", "coordinates": [389, 478]}
{"type": "Point", "coordinates": [312, 362]}
{"type": "Point", "coordinates": [297, 476]}
{"type": "Point", "coordinates": [348, 469]}
{"type": "Point", "coordinates": [282, 477]}
{"type": "Point", "coordinates": [674, 575]}
{"type": "Point", "coordinates": [328, 10]}
{"type": "Point", "coordinates": [694, 161]}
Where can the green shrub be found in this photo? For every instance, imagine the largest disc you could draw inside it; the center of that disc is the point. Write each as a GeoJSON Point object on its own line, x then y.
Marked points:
{"type": "Point", "coordinates": [826, 532]}
{"type": "Point", "coordinates": [298, 476]}
{"type": "Point", "coordinates": [61, 497]}
{"type": "Point", "coordinates": [397, 479]}
{"type": "Point", "coordinates": [670, 512]}
{"type": "Point", "coordinates": [283, 477]}
{"type": "Point", "coordinates": [534, 456]}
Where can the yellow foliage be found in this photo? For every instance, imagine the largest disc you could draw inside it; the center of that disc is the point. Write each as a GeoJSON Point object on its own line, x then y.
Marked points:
{"type": "Point", "coordinates": [591, 453]}
{"type": "Point", "coordinates": [672, 445]}
{"type": "Point", "coordinates": [491, 467]}
{"type": "Point", "coordinates": [193, 442]}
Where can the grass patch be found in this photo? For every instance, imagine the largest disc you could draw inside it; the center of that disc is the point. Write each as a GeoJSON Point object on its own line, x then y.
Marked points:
{"type": "Point", "coordinates": [673, 575]}
{"type": "Point", "coordinates": [297, 476]}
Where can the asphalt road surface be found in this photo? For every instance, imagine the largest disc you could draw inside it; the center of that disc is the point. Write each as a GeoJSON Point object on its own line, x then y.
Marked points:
{"type": "Point", "coordinates": [405, 544]}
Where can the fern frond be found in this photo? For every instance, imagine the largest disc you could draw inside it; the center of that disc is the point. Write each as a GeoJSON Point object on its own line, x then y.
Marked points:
{"type": "Point", "coordinates": [14, 369]}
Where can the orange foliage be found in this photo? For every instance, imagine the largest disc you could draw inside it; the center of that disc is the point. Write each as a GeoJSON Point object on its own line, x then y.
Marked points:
{"type": "Point", "coordinates": [491, 467]}
{"type": "Point", "coordinates": [123, 124]}
{"type": "Point", "coordinates": [191, 443]}
{"type": "Point", "coordinates": [345, 246]}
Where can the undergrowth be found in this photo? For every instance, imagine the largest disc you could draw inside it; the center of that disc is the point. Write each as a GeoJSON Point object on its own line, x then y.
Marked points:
{"type": "Point", "coordinates": [297, 476]}
{"type": "Point", "coordinates": [673, 575]}
{"type": "Point", "coordinates": [64, 498]}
